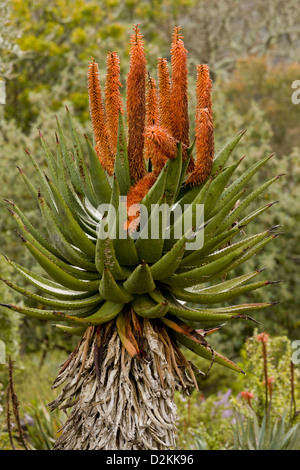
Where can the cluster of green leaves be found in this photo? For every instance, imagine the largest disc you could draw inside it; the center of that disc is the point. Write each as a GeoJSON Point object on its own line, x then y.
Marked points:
{"type": "Point", "coordinates": [277, 434]}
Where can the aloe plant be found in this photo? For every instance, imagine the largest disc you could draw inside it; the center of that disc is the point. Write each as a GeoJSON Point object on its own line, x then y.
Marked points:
{"type": "Point", "coordinates": [270, 434]}
{"type": "Point", "coordinates": [126, 296]}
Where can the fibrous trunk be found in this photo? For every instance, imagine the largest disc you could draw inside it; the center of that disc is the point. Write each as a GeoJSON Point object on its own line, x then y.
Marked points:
{"type": "Point", "coordinates": [119, 402]}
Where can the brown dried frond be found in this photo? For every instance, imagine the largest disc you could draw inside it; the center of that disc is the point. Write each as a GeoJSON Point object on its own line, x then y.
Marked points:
{"type": "Point", "coordinates": [179, 89]}
{"type": "Point", "coordinates": [164, 94]}
{"type": "Point", "coordinates": [204, 148]}
{"type": "Point", "coordinates": [162, 145]}
{"type": "Point", "coordinates": [113, 98]}
{"type": "Point", "coordinates": [98, 117]}
{"type": "Point", "coordinates": [136, 106]}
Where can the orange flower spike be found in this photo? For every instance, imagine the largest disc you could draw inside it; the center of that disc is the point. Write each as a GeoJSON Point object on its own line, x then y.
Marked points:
{"type": "Point", "coordinates": [263, 337]}
{"type": "Point", "coordinates": [204, 148]}
{"type": "Point", "coordinates": [113, 98]}
{"type": "Point", "coordinates": [203, 88]}
{"type": "Point", "coordinates": [152, 103]}
{"type": "Point", "coordinates": [164, 94]}
{"type": "Point", "coordinates": [151, 116]}
{"type": "Point", "coordinates": [95, 100]}
{"type": "Point", "coordinates": [248, 396]}
{"type": "Point", "coordinates": [136, 106]}
{"type": "Point", "coordinates": [179, 89]}
{"type": "Point", "coordinates": [204, 128]}
{"type": "Point", "coordinates": [98, 117]}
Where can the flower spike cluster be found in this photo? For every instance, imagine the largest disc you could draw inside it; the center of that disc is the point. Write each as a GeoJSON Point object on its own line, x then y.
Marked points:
{"type": "Point", "coordinates": [157, 115]}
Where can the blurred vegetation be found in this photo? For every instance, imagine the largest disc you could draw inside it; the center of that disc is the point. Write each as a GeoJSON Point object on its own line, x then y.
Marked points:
{"type": "Point", "coordinates": [252, 48]}
{"type": "Point", "coordinates": [211, 420]}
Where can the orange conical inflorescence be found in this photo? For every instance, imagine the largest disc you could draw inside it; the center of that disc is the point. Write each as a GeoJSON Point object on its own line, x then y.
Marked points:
{"type": "Point", "coordinates": [164, 84]}
{"type": "Point", "coordinates": [204, 148]}
{"type": "Point", "coordinates": [113, 99]}
{"type": "Point", "coordinates": [98, 118]}
{"type": "Point", "coordinates": [204, 128]}
{"type": "Point", "coordinates": [136, 106]}
{"type": "Point", "coordinates": [179, 89]}
{"type": "Point", "coordinates": [159, 143]}
{"type": "Point", "coordinates": [203, 88]}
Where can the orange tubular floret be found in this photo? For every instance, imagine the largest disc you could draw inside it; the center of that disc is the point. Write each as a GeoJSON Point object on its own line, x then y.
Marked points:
{"type": "Point", "coordinates": [164, 85]}
{"type": "Point", "coordinates": [98, 118]}
{"type": "Point", "coordinates": [179, 88]}
{"type": "Point", "coordinates": [136, 106]}
{"type": "Point", "coordinates": [113, 99]}
{"type": "Point", "coordinates": [163, 146]}
{"type": "Point", "coordinates": [135, 195]}
{"type": "Point", "coordinates": [204, 148]}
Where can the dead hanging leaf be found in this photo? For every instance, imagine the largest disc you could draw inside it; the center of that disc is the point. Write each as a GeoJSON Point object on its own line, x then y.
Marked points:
{"type": "Point", "coordinates": [184, 329]}
{"type": "Point", "coordinates": [209, 331]}
{"type": "Point", "coordinates": [129, 344]}
{"type": "Point", "coordinates": [130, 331]}
{"type": "Point", "coordinates": [138, 332]}
{"type": "Point", "coordinates": [98, 352]}
{"type": "Point", "coordinates": [87, 335]}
